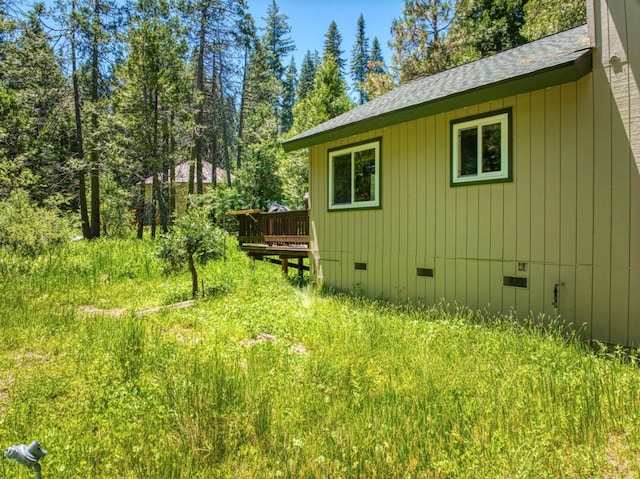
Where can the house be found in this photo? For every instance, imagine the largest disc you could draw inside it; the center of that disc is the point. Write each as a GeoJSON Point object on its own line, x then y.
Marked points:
{"type": "Point", "coordinates": [508, 184]}
{"type": "Point", "coordinates": [181, 183]}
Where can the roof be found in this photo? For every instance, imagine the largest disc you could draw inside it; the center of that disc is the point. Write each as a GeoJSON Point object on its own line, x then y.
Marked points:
{"type": "Point", "coordinates": [550, 61]}
{"type": "Point", "coordinates": [182, 173]}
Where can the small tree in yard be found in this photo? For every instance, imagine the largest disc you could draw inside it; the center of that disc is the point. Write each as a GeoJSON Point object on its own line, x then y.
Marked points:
{"type": "Point", "coordinates": [194, 239]}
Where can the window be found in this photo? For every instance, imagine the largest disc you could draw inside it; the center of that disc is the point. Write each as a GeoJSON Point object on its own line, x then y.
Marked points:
{"type": "Point", "coordinates": [354, 176]}
{"type": "Point", "coordinates": [480, 149]}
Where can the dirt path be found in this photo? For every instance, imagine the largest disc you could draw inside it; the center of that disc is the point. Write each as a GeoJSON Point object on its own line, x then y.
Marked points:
{"type": "Point", "coordinates": [116, 313]}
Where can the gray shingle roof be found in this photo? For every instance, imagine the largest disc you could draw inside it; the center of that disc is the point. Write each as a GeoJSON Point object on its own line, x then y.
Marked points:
{"type": "Point", "coordinates": [182, 174]}
{"type": "Point", "coordinates": [552, 60]}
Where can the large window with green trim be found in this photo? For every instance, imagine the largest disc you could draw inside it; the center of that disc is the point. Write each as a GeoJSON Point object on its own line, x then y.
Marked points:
{"type": "Point", "coordinates": [480, 149]}
{"type": "Point", "coordinates": [354, 176]}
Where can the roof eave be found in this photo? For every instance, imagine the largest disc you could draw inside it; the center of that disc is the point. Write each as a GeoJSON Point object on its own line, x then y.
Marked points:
{"type": "Point", "coordinates": [556, 75]}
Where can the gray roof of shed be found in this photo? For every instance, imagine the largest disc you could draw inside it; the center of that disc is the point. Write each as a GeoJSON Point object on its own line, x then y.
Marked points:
{"type": "Point", "coordinates": [550, 61]}
{"type": "Point", "coordinates": [182, 174]}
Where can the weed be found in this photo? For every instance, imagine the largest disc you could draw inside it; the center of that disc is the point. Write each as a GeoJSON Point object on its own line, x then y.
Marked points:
{"type": "Point", "coordinates": [370, 389]}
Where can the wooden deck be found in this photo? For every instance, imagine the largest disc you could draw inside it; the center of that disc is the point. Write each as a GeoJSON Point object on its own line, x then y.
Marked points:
{"type": "Point", "coordinates": [275, 237]}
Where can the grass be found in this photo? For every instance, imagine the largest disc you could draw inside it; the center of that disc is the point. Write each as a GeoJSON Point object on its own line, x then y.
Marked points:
{"type": "Point", "coordinates": [338, 386]}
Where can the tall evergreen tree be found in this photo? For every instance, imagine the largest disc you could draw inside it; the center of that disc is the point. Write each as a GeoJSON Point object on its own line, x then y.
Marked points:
{"type": "Point", "coordinates": [485, 27]}
{"type": "Point", "coordinates": [34, 131]}
{"type": "Point", "coordinates": [278, 46]}
{"type": "Point", "coordinates": [546, 17]}
{"type": "Point", "coordinates": [216, 26]}
{"type": "Point", "coordinates": [153, 92]}
{"type": "Point", "coordinates": [276, 39]}
{"type": "Point", "coordinates": [360, 58]}
{"type": "Point", "coordinates": [419, 38]}
{"type": "Point", "coordinates": [333, 46]}
{"type": "Point", "coordinates": [377, 60]}
{"type": "Point", "coordinates": [258, 182]}
{"type": "Point", "coordinates": [307, 73]}
{"type": "Point", "coordinates": [288, 97]}
{"type": "Point", "coordinates": [377, 81]}
{"type": "Point", "coordinates": [93, 26]}
{"type": "Point", "coordinates": [247, 39]}
{"type": "Point", "coordinates": [328, 99]}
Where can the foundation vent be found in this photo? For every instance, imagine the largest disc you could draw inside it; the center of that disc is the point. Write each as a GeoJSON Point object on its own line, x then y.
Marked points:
{"type": "Point", "coordinates": [427, 272]}
{"type": "Point", "coordinates": [514, 281]}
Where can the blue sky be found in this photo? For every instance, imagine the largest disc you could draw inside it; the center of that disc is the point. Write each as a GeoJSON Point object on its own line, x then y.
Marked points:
{"type": "Point", "coordinates": [309, 21]}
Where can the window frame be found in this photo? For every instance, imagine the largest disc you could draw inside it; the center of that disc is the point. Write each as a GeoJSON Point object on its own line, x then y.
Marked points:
{"type": "Point", "coordinates": [352, 149]}
{"type": "Point", "coordinates": [505, 174]}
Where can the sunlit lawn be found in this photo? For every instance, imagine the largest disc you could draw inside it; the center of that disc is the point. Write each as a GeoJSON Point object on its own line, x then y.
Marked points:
{"type": "Point", "coordinates": [266, 378]}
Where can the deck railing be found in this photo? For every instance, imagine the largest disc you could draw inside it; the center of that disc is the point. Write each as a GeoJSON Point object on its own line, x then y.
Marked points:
{"type": "Point", "coordinates": [287, 228]}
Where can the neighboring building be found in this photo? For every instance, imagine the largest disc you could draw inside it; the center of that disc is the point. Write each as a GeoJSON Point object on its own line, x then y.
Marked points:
{"type": "Point", "coordinates": [181, 183]}
{"type": "Point", "coordinates": [487, 184]}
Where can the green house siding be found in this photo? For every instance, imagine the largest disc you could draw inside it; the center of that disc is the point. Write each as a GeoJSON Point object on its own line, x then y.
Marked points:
{"type": "Point", "coordinates": [570, 215]}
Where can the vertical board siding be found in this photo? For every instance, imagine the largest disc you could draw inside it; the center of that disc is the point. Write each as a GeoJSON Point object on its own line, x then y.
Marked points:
{"type": "Point", "coordinates": [552, 180]}
{"type": "Point", "coordinates": [537, 198]}
{"type": "Point", "coordinates": [633, 55]}
{"type": "Point", "coordinates": [568, 175]}
{"type": "Point", "coordinates": [571, 214]}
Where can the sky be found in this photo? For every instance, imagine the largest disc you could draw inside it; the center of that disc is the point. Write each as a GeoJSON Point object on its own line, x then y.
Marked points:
{"type": "Point", "coordinates": [309, 21]}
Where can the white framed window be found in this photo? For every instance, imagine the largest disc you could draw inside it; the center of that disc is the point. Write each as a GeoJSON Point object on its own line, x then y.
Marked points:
{"type": "Point", "coordinates": [354, 176]}
{"type": "Point", "coordinates": [481, 149]}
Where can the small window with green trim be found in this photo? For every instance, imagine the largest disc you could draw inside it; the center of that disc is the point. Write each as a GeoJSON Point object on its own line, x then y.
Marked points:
{"type": "Point", "coordinates": [480, 149]}
{"type": "Point", "coordinates": [354, 176]}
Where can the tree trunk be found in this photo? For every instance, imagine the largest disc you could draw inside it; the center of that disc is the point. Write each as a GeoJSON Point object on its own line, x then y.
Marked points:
{"type": "Point", "coordinates": [172, 170]}
{"type": "Point", "coordinates": [196, 155]}
{"type": "Point", "coordinates": [94, 169]}
{"type": "Point", "coordinates": [194, 277]}
{"type": "Point", "coordinates": [245, 79]}
{"type": "Point", "coordinates": [82, 185]}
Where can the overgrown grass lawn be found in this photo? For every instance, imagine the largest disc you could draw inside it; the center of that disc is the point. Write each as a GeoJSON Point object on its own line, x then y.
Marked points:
{"type": "Point", "coordinates": [265, 378]}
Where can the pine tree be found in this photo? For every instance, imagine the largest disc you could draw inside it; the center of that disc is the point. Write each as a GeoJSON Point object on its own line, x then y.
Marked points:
{"type": "Point", "coordinates": [360, 58]}
{"type": "Point", "coordinates": [307, 73]}
{"type": "Point", "coordinates": [328, 99]}
{"type": "Point", "coordinates": [546, 17]}
{"type": "Point", "coordinates": [377, 81]}
{"type": "Point", "coordinates": [419, 38]}
{"type": "Point", "coordinates": [486, 27]}
{"type": "Point", "coordinates": [288, 97]}
{"type": "Point", "coordinates": [276, 39]}
{"type": "Point", "coordinates": [34, 130]}
{"type": "Point", "coordinates": [333, 45]}
{"type": "Point", "coordinates": [247, 39]}
{"type": "Point", "coordinates": [257, 183]}
{"type": "Point", "coordinates": [93, 34]}
{"type": "Point", "coordinates": [153, 92]}
{"type": "Point", "coordinates": [377, 61]}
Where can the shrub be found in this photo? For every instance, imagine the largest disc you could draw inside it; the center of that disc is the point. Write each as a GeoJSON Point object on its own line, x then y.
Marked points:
{"type": "Point", "coordinates": [27, 229]}
{"type": "Point", "coordinates": [194, 239]}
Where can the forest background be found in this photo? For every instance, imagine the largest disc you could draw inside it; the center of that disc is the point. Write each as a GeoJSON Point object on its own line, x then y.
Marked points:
{"type": "Point", "coordinates": [97, 95]}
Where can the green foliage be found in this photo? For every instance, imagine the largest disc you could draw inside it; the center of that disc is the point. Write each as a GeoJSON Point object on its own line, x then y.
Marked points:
{"type": "Point", "coordinates": [328, 99]}
{"type": "Point", "coordinates": [339, 386]}
{"type": "Point", "coordinates": [294, 171]}
{"type": "Point", "coordinates": [276, 40]}
{"type": "Point", "coordinates": [29, 230]}
{"type": "Point", "coordinates": [419, 38]}
{"type": "Point", "coordinates": [34, 133]}
{"type": "Point", "coordinates": [333, 46]}
{"type": "Point", "coordinates": [360, 58]}
{"type": "Point", "coordinates": [546, 17]}
{"type": "Point", "coordinates": [433, 35]}
{"type": "Point", "coordinates": [307, 73]}
{"type": "Point", "coordinates": [490, 26]}
{"type": "Point", "coordinates": [193, 239]}
{"type": "Point", "coordinates": [258, 183]}
{"type": "Point", "coordinates": [117, 214]}
{"type": "Point", "coordinates": [288, 98]}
